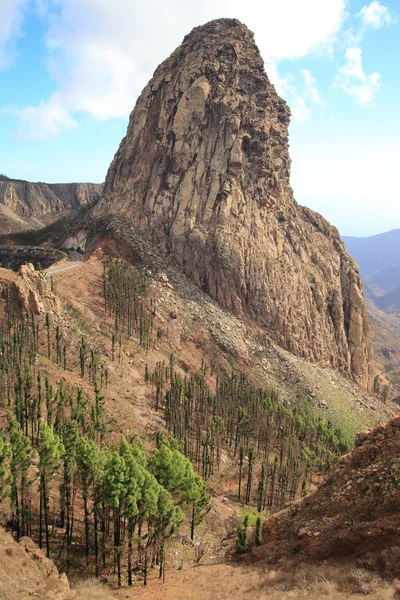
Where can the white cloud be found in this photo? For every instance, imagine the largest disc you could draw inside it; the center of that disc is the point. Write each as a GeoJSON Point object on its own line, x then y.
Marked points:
{"type": "Point", "coordinates": [375, 15]}
{"type": "Point", "coordinates": [371, 16]}
{"type": "Point", "coordinates": [352, 79]}
{"type": "Point", "coordinates": [310, 87]}
{"type": "Point", "coordinates": [300, 111]}
{"type": "Point", "coordinates": [101, 54]}
{"type": "Point", "coordinates": [12, 12]}
{"type": "Point", "coordinates": [283, 85]}
{"type": "Point", "coordinates": [296, 93]}
{"type": "Point", "coordinates": [40, 122]}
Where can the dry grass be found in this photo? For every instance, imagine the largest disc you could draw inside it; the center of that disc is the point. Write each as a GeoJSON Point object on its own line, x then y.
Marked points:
{"type": "Point", "coordinates": [230, 582]}
{"type": "Point", "coordinates": [90, 589]}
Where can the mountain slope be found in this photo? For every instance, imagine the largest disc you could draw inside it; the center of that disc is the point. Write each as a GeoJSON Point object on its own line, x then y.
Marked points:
{"type": "Point", "coordinates": [376, 252]}
{"type": "Point", "coordinates": [25, 572]}
{"type": "Point", "coordinates": [354, 513]}
{"type": "Point", "coordinates": [26, 205]}
{"type": "Point", "coordinates": [198, 336]}
{"type": "Point", "coordinates": [379, 259]}
{"type": "Point", "coordinates": [204, 172]}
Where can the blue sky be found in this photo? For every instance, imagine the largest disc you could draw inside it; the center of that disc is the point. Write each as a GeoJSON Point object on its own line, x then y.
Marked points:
{"type": "Point", "coordinates": [71, 70]}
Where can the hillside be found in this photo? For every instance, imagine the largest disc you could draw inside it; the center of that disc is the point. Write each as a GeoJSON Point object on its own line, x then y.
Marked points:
{"type": "Point", "coordinates": [26, 205]}
{"type": "Point", "coordinates": [327, 545]}
{"type": "Point", "coordinates": [353, 514]}
{"type": "Point", "coordinates": [379, 259]}
{"type": "Point", "coordinates": [25, 572]}
{"type": "Point", "coordinates": [201, 337]}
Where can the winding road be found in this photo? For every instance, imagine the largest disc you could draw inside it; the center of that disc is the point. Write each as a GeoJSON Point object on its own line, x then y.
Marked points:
{"type": "Point", "coordinates": [76, 259]}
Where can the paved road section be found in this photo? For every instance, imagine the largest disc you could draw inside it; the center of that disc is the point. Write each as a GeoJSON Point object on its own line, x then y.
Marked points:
{"type": "Point", "coordinates": [76, 259]}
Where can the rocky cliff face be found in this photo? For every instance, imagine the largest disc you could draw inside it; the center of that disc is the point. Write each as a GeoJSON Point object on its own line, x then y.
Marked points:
{"type": "Point", "coordinates": [43, 201]}
{"type": "Point", "coordinates": [204, 170]}
{"type": "Point", "coordinates": [75, 195]}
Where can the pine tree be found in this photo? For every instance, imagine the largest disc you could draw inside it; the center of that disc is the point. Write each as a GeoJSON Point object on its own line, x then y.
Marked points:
{"type": "Point", "coordinates": [82, 356]}
{"type": "Point", "coordinates": [58, 345]}
{"type": "Point", "coordinates": [167, 519]}
{"type": "Point", "coordinates": [28, 405]}
{"type": "Point", "coordinates": [134, 481]}
{"type": "Point", "coordinates": [47, 322]}
{"type": "Point", "coordinates": [67, 490]}
{"type": "Point", "coordinates": [87, 454]}
{"type": "Point", "coordinates": [241, 461]}
{"type": "Point", "coordinates": [38, 404]}
{"type": "Point", "coordinates": [175, 472]}
{"type": "Point", "coordinates": [241, 540]}
{"type": "Point", "coordinates": [49, 401]}
{"type": "Point", "coordinates": [258, 531]}
{"type": "Point", "coordinates": [114, 492]}
{"type": "Point", "coordinates": [99, 415]}
{"type": "Point", "coordinates": [261, 486]}
{"type": "Point", "coordinates": [200, 506]}
{"type": "Point", "coordinates": [4, 478]}
{"type": "Point", "coordinates": [251, 458]}
{"type": "Point", "coordinates": [21, 454]}
{"type": "Point", "coordinates": [50, 450]}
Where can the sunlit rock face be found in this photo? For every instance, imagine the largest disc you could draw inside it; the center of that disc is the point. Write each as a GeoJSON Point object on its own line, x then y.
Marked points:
{"type": "Point", "coordinates": [204, 170]}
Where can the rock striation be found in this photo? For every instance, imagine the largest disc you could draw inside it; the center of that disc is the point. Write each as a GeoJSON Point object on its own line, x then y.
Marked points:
{"type": "Point", "coordinates": [204, 170]}
{"type": "Point", "coordinates": [37, 203]}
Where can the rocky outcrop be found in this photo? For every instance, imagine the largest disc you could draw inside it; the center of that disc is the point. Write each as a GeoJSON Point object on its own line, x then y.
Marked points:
{"type": "Point", "coordinates": [25, 572]}
{"type": "Point", "coordinates": [29, 292]}
{"type": "Point", "coordinates": [204, 171]}
{"type": "Point", "coordinates": [42, 201]}
{"type": "Point", "coordinates": [355, 513]}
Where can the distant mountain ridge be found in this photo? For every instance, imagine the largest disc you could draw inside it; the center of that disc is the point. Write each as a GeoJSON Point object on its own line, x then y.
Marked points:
{"type": "Point", "coordinates": [27, 205]}
{"type": "Point", "coordinates": [378, 257]}
{"type": "Point", "coordinates": [376, 252]}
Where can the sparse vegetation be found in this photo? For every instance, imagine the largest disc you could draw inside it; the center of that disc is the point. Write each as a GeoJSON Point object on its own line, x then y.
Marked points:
{"type": "Point", "coordinates": [132, 501]}
{"type": "Point", "coordinates": [291, 444]}
{"type": "Point", "coordinates": [115, 500]}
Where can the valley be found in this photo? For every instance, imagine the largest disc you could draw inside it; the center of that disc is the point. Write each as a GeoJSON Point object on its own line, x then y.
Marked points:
{"type": "Point", "coordinates": [26, 205]}
{"type": "Point", "coordinates": [378, 257]}
{"type": "Point", "coordinates": [196, 399]}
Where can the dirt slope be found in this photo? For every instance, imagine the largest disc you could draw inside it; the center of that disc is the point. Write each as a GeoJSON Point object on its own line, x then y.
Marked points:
{"type": "Point", "coordinates": [196, 328]}
{"type": "Point", "coordinates": [355, 514]}
{"type": "Point", "coordinates": [26, 573]}
{"type": "Point", "coordinates": [199, 328]}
